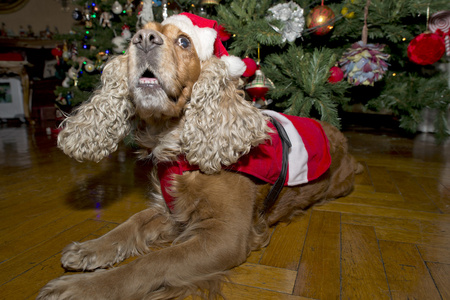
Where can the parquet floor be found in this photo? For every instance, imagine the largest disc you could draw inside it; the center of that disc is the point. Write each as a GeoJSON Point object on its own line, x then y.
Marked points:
{"type": "Point", "coordinates": [390, 239]}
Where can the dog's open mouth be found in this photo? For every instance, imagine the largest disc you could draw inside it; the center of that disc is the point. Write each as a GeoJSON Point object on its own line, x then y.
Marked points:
{"type": "Point", "coordinates": [148, 79]}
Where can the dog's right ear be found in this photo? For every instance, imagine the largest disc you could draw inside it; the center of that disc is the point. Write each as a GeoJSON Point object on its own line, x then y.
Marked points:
{"type": "Point", "coordinates": [95, 129]}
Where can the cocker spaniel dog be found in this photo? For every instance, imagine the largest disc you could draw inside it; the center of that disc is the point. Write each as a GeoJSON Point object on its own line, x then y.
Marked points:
{"type": "Point", "coordinates": [224, 170]}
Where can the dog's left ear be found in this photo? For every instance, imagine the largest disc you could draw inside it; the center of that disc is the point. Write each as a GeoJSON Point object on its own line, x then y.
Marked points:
{"type": "Point", "coordinates": [98, 125]}
{"type": "Point", "coordinates": [220, 125]}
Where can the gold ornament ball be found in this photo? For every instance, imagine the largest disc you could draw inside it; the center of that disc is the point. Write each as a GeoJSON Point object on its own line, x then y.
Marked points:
{"type": "Point", "coordinates": [89, 67]}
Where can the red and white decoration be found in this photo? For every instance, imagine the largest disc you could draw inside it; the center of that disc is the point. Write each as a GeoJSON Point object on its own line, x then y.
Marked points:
{"type": "Point", "coordinates": [440, 24]}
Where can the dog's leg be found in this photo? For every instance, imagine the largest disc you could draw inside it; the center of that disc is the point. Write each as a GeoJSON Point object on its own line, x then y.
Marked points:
{"type": "Point", "coordinates": [177, 268]}
{"type": "Point", "coordinates": [130, 238]}
{"type": "Point", "coordinates": [216, 238]}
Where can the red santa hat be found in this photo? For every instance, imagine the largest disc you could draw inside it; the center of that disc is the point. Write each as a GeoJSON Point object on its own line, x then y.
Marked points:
{"type": "Point", "coordinates": [204, 34]}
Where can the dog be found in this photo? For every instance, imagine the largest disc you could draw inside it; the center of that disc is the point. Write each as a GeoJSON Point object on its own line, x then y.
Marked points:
{"type": "Point", "coordinates": [189, 108]}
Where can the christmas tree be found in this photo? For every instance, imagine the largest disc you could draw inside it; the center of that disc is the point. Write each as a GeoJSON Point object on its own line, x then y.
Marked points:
{"type": "Point", "coordinates": [314, 58]}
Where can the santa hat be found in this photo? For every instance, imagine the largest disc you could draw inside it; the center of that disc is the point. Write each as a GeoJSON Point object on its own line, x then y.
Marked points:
{"type": "Point", "coordinates": [204, 34]}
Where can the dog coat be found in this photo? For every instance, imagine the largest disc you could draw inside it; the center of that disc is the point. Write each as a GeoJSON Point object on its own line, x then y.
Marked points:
{"type": "Point", "coordinates": [309, 156]}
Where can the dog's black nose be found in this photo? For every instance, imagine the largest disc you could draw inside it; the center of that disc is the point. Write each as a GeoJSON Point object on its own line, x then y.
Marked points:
{"type": "Point", "coordinates": [147, 39]}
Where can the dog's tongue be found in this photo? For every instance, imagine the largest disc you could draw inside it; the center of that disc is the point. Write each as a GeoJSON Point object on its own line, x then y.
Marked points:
{"type": "Point", "coordinates": [148, 81]}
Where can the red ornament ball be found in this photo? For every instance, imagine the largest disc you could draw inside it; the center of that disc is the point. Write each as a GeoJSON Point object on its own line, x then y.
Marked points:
{"type": "Point", "coordinates": [336, 75]}
{"type": "Point", "coordinates": [321, 18]}
{"type": "Point", "coordinates": [57, 52]}
{"type": "Point", "coordinates": [251, 67]}
{"type": "Point", "coordinates": [426, 49]}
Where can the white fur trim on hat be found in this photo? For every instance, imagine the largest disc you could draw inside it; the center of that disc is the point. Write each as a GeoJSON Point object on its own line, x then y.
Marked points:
{"type": "Point", "coordinates": [203, 38]}
{"type": "Point", "coordinates": [236, 67]}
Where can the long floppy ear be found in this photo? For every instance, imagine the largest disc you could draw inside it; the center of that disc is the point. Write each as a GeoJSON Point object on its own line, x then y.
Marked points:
{"type": "Point", "coordinates": [220, 125]}
{"type": "Point", "coordinates": [99, 124]}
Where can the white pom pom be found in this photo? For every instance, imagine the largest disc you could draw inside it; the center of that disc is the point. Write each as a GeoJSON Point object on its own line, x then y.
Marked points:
{"type": "Point", "coordinates": [236, 67]}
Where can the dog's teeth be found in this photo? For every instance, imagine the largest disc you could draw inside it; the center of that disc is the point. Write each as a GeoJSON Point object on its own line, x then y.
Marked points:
{"type": "Point", "coordinates": [145, 80]}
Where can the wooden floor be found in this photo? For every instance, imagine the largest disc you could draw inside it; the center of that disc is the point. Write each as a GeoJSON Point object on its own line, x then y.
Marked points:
{"type": "Point", "coordinates": [390, 239]}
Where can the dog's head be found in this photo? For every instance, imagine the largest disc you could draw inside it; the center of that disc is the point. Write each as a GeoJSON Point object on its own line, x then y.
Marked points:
{"type": "Point", "coordinates": [171, 72]}
{"type": "Point", "coordinates": [163, 66]}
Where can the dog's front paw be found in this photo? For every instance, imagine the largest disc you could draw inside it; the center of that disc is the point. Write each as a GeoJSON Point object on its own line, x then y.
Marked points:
{"type": "Point", "coordinates": [67, 287]}
{"type": "Point", "coordinates": [89, 255]}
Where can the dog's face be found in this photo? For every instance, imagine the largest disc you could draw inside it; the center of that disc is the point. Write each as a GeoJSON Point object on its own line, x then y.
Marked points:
{"type": "Point", "coordinates": [163, 67]}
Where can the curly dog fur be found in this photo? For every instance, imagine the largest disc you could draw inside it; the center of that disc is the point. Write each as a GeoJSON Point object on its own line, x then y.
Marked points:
{"type": "Point", "coordinates": [194, 109]}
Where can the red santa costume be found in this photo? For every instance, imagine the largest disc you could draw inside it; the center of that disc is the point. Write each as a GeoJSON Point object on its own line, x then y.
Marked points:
{"type": "Point", "coordinates": [309, 155]}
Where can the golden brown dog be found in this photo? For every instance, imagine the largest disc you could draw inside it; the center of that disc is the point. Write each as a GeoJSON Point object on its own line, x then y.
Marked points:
{"type": "Point", "coordinates": [187, 105]}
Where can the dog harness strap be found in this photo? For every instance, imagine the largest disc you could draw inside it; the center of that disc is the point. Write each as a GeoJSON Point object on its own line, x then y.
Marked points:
{"type": "Point", "coordinates": [278, 185]}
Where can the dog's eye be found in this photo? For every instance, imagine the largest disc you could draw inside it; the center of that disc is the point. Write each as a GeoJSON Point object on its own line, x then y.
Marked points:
{"type": "Point", "coordinates": [183, 42]}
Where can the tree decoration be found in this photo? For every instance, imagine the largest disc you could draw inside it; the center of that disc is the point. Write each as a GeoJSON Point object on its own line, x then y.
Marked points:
{"type": "Point", "coordinates": [362, 63]}
{"type": "Point", "coordinates": [126, 33]}
{"type": "Point", "coordinates": [77, 15]}
{"type": "Point", "coordinates": [105, 19]}
{"type": "Point", "coordinates": [440, 24]}
{"type": "Point", "coordinates": [346, 13]}
{"type": "Point", "coordinates": [145, 15]}
{"type": "Point", "coordinates": [223, 34]}
{"type": "Point", "coordinates": [291, 16]}
{"type": "Point", "coordinates": [117, 8]}
{"type": "Point", "coordinates": [209, 2]}
{"type": "Point", "coordinates": [258, 87]}
{"type": "Point", "coordinates": [251, 67]}
{"type": "Point", "coordinates": [320, 20]}
{"type": "Point", "coordinates": [336, 74]}
{"type": "Point", "coordinates": [426, 48]}
{"type": "Point", "coordinates": [120, 43]}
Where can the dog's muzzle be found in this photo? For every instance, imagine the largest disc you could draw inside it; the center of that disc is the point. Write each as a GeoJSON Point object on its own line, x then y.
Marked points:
{"type": "Point", "coordinates": [147, 39]}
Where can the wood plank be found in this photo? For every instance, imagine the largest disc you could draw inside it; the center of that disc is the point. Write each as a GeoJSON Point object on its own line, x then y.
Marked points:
{"type": "Point", "coordinates": [241, 292]}
{"type": "Point", "coordinates": [30, 282]}
{"type": "Point", "coordinates": [407, 274]}
{"type": "Point", "coordinates": [438, 193]}
{"type": "Point", "coordinates": [120, 211]}
{"type": "Point", "coordinates": [14, 245]}
{"type": "Point", "coordinates": [362, 209]}
{"type": "Point", "coordinates": [265, 277]}
{"type": "Point", "coordinates": [364, 178]}
{"type": "Point", "coordinates": [286, 244]}
{"type": "Point", "coordinates": [27, 260]}
{"type": "Point", "coordinates": [318, 273]}
{"type": "Point", "coordinates": [382, 180]}
{"type": "Point", "coordinates": [387, 203]}
{"type": "Point", "coordinates": [412, 191]}
{"type": "Point", "coordinates": [434, 254]}
{"type": "Point", "coordinates": [360, 193]}
{"type": "Point", "coordinates": [441, 276]}
{"type": "Point", "coordinates": [362, 274]}
{"type": "Point", "coordinates": [434, 227]}
{"type": "Point", "coordinates": [405, 236]}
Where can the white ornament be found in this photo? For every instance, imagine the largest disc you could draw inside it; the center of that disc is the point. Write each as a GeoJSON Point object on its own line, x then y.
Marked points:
{"type": "Point", "coordinates": [119, 44]}
{"type": "Point", "coordinates": [291, 15]}
{"type": "Point", "coordinates": [146, 14]}
{"type": "Point", "coordinates": [71, 75]}
{"type": "Point", "coordinates": [117, 8]}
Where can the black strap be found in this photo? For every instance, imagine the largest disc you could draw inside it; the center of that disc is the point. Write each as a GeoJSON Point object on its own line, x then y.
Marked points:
{"type": "Point", "coordinates": [278, 185]}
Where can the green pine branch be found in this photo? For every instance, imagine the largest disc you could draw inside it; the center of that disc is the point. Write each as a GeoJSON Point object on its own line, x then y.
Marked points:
{"type": "Point", "coordinates": [301, 80]}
